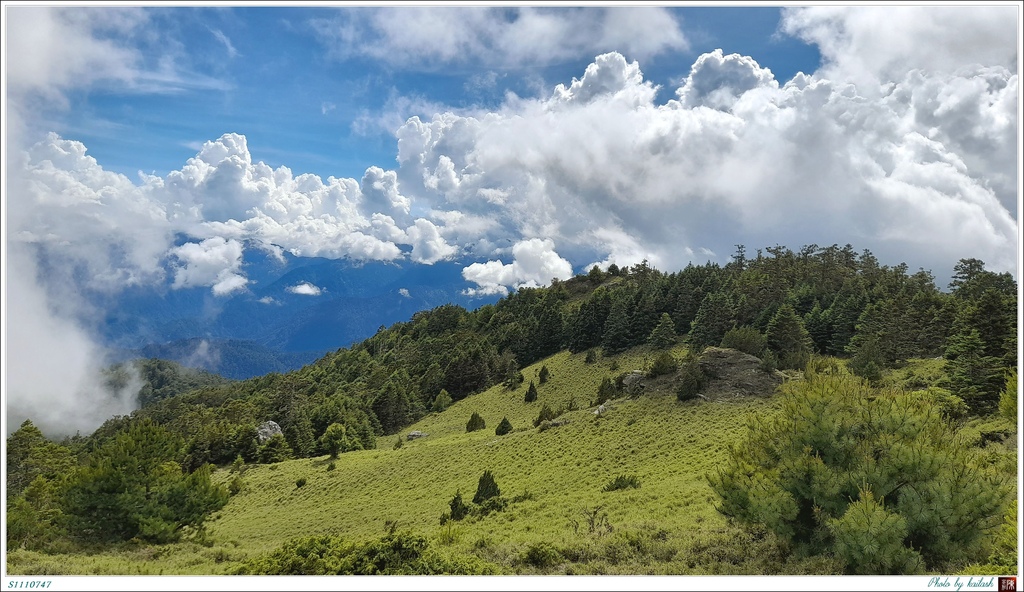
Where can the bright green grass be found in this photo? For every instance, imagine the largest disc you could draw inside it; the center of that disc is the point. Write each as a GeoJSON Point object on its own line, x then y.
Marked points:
{"type": "Point", "coordinates": [669, 445]}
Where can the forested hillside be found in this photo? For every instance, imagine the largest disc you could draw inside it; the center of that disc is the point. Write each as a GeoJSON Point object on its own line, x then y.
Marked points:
{"type": "Point", "coordinates": [807, 312]}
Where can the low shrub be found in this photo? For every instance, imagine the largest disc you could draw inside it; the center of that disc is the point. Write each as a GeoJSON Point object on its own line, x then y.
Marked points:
{"type": "Point", "coordinates": [623, 482]}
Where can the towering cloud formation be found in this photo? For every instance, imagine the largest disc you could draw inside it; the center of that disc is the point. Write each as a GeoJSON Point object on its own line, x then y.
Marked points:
{"type": "Point", "coordinates": [906, 147]}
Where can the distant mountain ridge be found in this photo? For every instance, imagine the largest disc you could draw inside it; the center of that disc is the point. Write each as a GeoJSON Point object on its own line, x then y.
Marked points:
{"type": "Point", "coordinates": [272, 326]}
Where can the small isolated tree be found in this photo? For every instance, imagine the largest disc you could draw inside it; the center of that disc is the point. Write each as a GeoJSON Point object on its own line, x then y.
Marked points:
{"type": "Point", "coordinates": [544, 374]}
{"type": "Point", "coordinates": [504, 427]}
{"type": "Point", "coordinates": [334, 440]}
{"type": "Point", "coordinates": [486, 488]}
{"type": "Point", "coordinates": [546, 414]}
{"type": "Point", "coordinates": [606, 391]}
{"type": "Point", "coordinates": [664, 334]}
{"type": "Point", "coordinates": [531, 393]}
{"type": "Point", "coordinates": [691, 378]}
{"type": "Point", "coordinates": [442, 401]}
{"type": "Point", "coordinates": [591, 356]}
{"type": "Point", "coordinates": [459, 509]}
{"type": "Point", "coordinates": [475, 423]}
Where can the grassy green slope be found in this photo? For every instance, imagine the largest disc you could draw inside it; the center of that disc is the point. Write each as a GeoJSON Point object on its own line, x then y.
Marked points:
{"type": "Point", "coordinates": [668, 525]}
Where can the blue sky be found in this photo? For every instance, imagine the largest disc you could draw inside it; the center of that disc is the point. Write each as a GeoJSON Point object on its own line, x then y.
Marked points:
{"type": "Point", "coordinates": [270, 75]}
{"type": "Point", "coordinates": [520, 144]}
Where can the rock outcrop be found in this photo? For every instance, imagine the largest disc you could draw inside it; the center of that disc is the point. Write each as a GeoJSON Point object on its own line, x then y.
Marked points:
{"type": "Point", "coordinates": [266, 430]}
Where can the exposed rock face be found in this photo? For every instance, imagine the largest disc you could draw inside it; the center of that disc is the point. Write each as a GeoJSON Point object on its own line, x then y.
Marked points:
{"type": "Point", "coordinates": [266, 430]}
{"type": "Point", "coordinates": [416, 434]}
{"type": "Point", "coordinates": [732, 373]}
{"type": "Point", "coordinates": [633, 383]}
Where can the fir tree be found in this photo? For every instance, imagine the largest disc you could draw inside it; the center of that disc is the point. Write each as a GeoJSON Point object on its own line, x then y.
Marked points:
{"type": "Point", "coordinates": [664, 334]}
{"type": "Point", "coordinates": [787, 337]}
{"type": "Point", "coordinates": [486, 488]}
{"type": "Point", "coordinates": [531, 393]}
{"type": "Point", "coordinates": [442, 401]}
{"type": "Point", "coordinates": [475, 423]}
{"type": "Point", "coordinates": [334, 440]}
{"type": "Point", "coordinates": [616, 334]}
{"type": "Point", "coordinates": [505, 427]}
{"type": "Point", "coordinates": [715, 316]}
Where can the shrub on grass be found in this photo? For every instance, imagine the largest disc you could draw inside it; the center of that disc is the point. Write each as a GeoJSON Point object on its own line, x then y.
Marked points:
{"type": "Point", "coordinates": [546, 414]}
{"type": "Point", "coordinates": [475, 423]}
{"type": "Point", "coordinates": [623, 482]}
{"type": "Point", "coordinates": [394, 554]}
{"type": "Point", "coordinates": [486, 488]}
{"type": "Point", "coordinates": [880, 480]}
{"type": "Point", "coordinates": [505, 427]}
{"type": "Point", "coordinates": [541, 555]}
{"type": "Point", "coordinates": [664, 364]}
{"type": "Point", "coordinates": [300, 482]}
{"type": "Point", "coordinates": [531, 393]}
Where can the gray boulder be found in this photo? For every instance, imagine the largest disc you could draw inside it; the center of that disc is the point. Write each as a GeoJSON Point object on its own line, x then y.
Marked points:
{"type": "Point", "coordinates": [416, 434]}
{"type": "Point", "coordinates": [633, 382]}
{"type": "Point", "coordinates": [266, 430]}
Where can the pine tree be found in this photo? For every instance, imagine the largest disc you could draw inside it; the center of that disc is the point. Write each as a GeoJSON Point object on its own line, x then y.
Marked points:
{"type": "Point", "coordinates": [475, 423]}
{"type": "Point", "coordinates": [531, 393]}
{"type": "Point", "coordinates": [486, 488]}
{"type": "Point", "coordinates": [715, 316]}
{"type": "Point", "coordinates": [442, 401]}
{"type": "Point", "coordinates": [973, 376]}
{"type": "Point", "coordinates": [1008, 398]}
{"type": "Point", "coordinates": [274, 449]}
{"type": "Point", "coordinates": [798, 473]}
{"type": "Point", "coordinates": [616, 334]}
{"type": "Point", "coordinates": [544, 373]}
{"type": "Point", "coordinates": [334, 440]}
{"type": "Point", "coordinates": [505, 427]}
{"type": "Point", "coordinates": [787, 337]}
{"type": "Point", "coordinates": [606, 391]}
{"type": "Point", "coordinates": [664, 334]}
{"type": "Point", "coordinates": [459, 509]}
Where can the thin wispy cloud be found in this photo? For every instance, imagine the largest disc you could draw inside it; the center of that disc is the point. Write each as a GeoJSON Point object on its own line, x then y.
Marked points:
{"type": "Point", "coordinates": [232, 52]}
{"type": "Point", "coordinates": [514, 37]}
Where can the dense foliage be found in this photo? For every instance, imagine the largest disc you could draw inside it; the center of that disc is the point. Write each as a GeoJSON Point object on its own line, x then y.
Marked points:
{"type": "Point", "coordinates": [394, 554]}
{"type": "Point", "coordinates": [878, 479]}
{"type": "Point", "coordinates": [780, 304]}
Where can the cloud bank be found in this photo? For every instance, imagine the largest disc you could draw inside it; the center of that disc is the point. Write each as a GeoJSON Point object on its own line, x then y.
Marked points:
{"type": "Point", "coordinates": [908, 148]}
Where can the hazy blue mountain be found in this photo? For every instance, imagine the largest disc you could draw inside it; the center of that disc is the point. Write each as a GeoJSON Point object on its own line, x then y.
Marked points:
{"type": "Point", "coordinates": [269, 327]}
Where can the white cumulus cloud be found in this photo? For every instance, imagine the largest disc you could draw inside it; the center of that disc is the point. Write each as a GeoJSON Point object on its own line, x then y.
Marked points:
{"type": "Point", "coordinates": [214, 262]}
{"type": "Point", "coordinates": [304, 289]}
{"type": "Point", "coordinates": [534, 263]}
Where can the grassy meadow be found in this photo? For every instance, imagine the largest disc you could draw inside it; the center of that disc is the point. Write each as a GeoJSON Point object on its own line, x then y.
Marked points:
{"type": "Point", "coordinates": [560, 519]}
